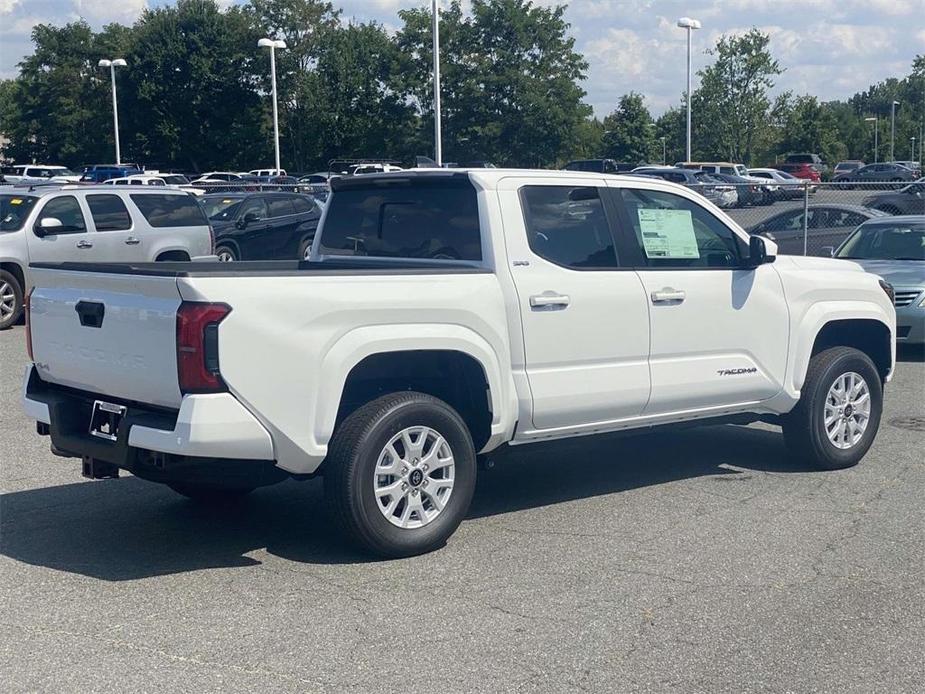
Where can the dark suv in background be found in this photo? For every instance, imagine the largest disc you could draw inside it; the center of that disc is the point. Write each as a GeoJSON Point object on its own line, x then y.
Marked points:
{"type": "Point", "coordinates": [598, 166]}
{"type": "Point", "coordinates": [261, 226]}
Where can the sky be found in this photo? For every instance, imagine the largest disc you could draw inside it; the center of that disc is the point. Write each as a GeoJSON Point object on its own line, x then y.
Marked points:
{"type": "Point", "coordinates": [830, 48]}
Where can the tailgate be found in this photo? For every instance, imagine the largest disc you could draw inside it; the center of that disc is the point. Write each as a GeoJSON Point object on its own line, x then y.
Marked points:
{"type": "Point", "coordinates": [107, 333]}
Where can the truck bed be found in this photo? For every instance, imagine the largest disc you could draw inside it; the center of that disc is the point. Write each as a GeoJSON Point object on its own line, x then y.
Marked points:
{"type": "Point", "coordinates": [278, 268]}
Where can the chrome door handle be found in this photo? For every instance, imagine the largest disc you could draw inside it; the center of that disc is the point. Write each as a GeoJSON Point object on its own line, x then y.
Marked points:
{"type": "Point", "coordinates": [549, 300]}
{"type": "Point", "coordinates": [132, 241]}
{"type": "Point", "coordinates": [84, 244]}
{"type": "Point", "coordinates": [667, 295]}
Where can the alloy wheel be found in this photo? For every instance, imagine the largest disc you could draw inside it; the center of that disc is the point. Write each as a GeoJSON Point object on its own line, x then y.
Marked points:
{"type": "Point", "coordinates": [847, 410]}
{"type": "Point", "coordinates": [414, 477]}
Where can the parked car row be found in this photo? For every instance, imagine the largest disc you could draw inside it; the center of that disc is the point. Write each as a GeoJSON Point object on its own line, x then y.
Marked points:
{"type": "Point", "coordinates": [123, 221]}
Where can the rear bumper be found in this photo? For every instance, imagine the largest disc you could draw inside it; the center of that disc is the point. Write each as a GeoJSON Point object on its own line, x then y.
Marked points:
{"type": "Point", "coordinates": [212, 426]}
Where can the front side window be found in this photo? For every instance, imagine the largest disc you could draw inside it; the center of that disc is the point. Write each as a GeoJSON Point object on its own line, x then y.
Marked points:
{"type": "Point", "coordinates": [255, 207]}
{"type": "Point", "coordinates": [163, 210]}
{"type": "Point", "coordinates": [424, 219]}
{"type": "Point", "coordinates": [109, 213]}
{"type": "Point", "coordinates": [66, 209]}
{"type": "Point", "coordinates": [567, 225]}
{"type": "Point", "coordinates": [674, 232]}
{"type": "Point", "coordinates": [279, 206]}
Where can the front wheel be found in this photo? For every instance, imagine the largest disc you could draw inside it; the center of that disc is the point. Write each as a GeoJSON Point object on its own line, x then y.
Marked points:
{"type": "Point", "coordinates": [400, 474]}
{"type": "Point", "coordinates": [837, 417]}
{"type": "Point", "coordinates": [11, 299]}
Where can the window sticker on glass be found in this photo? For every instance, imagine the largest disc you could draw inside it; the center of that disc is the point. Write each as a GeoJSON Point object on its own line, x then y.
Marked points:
{"type": "Point", "coordinates": [668, 233]}
{"type": "Point", "coordinates": [16, 201]}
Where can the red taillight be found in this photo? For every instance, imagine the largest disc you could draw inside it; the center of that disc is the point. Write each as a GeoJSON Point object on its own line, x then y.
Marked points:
{"type": "Point", "coordinates": [197, 346]}
{"type": "Point", "coordinates": [27, 308]}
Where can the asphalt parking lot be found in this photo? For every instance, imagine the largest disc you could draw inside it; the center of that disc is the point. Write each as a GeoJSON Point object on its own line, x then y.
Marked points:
{"type": "Point", "coordinates": [696, 561]}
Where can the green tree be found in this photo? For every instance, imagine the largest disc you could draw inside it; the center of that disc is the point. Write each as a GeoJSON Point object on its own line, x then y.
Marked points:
{"type": "Point", "coordinates": [672, 126]}
{"type": "Point", "coordinates": [59, 94]}
{"type": "Point", "coordinates": [510, 77]}
{"type": "Point", "coordinates": [629, 133]}
{"type": "Point", "coordinates": [812, 127]}
{"type": "Point", "coordinates": [731, 106]}
{"type": "Point", "coordinates": [190, 98]}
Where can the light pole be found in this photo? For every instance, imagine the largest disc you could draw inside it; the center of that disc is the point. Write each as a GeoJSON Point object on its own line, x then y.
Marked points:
{"type": "Point", "coordinates": [912, 151]}
{"type": "Point", "coordinates": [893, 129]}
{"type": "Point", "coordinates": [690, 25]}
{"type": "Point", "coordinates": [664, 152]}
{"type": "Point", "coordinates": [112, 65]}
{"type": "Point", "coordinates": [273, 44]}
{"type": "Point", "coordinates": [876, 121]}
{"type": "Point", "coordinates": [438, 137]}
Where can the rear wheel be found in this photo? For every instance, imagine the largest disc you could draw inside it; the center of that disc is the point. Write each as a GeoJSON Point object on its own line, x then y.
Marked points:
{"type": "Point", "coordinates": [837, 417]}
{"type": "Point", "coordinates": [11, 299]}
{"type": "Point", "coordinates": [226, 254]}
{"type": "Point", "coordinates": [207, 494]}
{"type": "Point", "coordinates": [400, 474]}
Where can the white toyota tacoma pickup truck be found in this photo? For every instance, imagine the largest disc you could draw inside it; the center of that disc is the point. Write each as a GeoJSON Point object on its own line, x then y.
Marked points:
{"type": "Point", "coordinates": [444, 314]}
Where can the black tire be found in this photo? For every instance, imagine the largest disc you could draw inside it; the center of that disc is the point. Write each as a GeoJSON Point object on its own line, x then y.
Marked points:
{"type": "Point", "coordinates": [11, 300]}
{"type": "Point", "coordinates": [210, 495]}
{"type": "Point", "coordinates": [305, 247]}
{"type": "Point", "coordinates": [804, 427]}
{"type": "Point", "coordinates": [232, 255]}
{"type": "Point", "coordinates": [349, 473]}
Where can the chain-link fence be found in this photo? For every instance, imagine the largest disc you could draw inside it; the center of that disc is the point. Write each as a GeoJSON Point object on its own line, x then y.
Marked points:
{"type": "Point", "coordinates": [813, 218]}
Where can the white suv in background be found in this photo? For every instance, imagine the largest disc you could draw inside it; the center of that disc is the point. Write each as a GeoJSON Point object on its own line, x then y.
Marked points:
{"type": "Point", "coordinates": [92, 224]}
{"type": "Point", "coordinates": [41, 173]}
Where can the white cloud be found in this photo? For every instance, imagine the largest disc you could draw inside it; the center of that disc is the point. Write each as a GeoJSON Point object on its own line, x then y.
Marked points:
{"type": "Point", "coordinates": [831, 48]}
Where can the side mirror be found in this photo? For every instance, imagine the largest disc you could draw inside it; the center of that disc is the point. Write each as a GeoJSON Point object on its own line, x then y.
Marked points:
{"type": "Point", "coordinates": [828, 251]}
{"type": "Point", "coordinates": [758, 252]}
{"type": "Point", "coordinates": [248, 218]}
{"type": "Point", "coordinates": [47, 226]}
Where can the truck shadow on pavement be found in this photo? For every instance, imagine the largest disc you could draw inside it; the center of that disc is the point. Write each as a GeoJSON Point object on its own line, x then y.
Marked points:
{"type": "Point", "coordinates": [128, 529]}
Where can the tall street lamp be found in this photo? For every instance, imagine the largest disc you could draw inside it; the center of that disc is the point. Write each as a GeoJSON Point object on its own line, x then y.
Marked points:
{"type": "Point", "coordinates": [876, 121]}
{"type": "Point", "coordinates": [438, 136]}
{"type": "Point", "coordinates": [273, 44]}
{"type": "Point", "coordinates": [690, 25]}
{"type": "Point", "coordinates": [893, 129]}
{"type": "Point", "coordinates": [912, 151]}
{"type": "Point", "coordinates": [664, 152]}
{"type": "Point", "coordinates": [112, 65]}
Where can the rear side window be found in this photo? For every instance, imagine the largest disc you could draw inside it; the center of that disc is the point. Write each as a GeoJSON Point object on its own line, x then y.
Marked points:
{"type": "Point", "coordinates": [162, 210]}
{"type": "Point", "coordinates": [109, 213]}
{"type": "Point", "coordinates": [302, 205]}
{"type": "Point", "coordinates": [422, 219]}
{"type": "Point", "coordinates": [567, 226]}
{"type": "Point", "coordinates": [280, 206]}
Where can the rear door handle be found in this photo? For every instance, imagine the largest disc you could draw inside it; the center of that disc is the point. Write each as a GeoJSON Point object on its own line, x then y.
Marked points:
{"type": "Point", "coordinates": [132, 241]}
{"type": "Point", "coordinates": [668, 295]}
{"type": "Point", "coordinates": [549, 300]}
{"type": "Point", "coordinates": [84, 244]}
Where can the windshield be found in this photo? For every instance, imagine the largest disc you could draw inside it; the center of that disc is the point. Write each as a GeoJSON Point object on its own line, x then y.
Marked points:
{"type": "Point", "coordinates": [175, 180]}
{"type": "Point", "coordinates": [13, 211]}
{"type": "Point", "coordinates": [885, 242]}
{"type": "Point", "coordinates": [784, 174]}
{"type": "Point", "coordinates": [220, 209]}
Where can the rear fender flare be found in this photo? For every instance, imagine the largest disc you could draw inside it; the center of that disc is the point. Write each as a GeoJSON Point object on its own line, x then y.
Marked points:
{"type": "Point", "coordinates": [358, 344]}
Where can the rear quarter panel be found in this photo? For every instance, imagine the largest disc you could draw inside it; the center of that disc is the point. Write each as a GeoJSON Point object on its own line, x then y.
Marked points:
{"type": "Point", "coordinates": [290, 342]}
